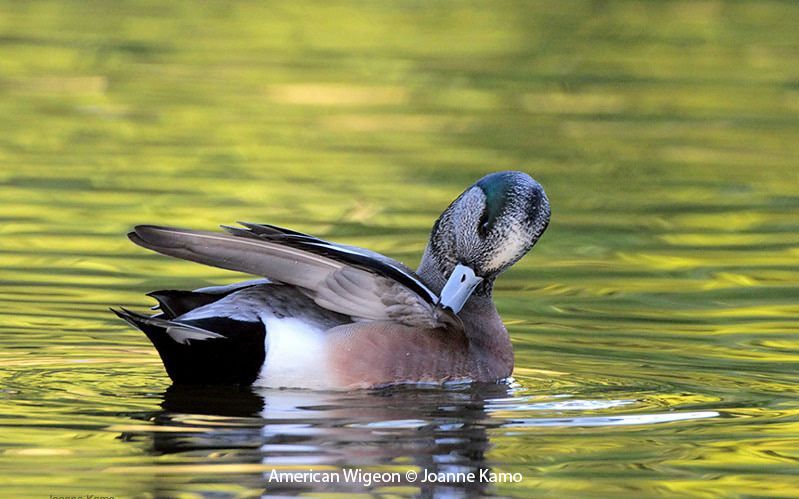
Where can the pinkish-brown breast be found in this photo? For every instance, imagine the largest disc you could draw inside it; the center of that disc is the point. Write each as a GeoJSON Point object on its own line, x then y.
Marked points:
{"type": "Point", "coordinates": [367, 354]}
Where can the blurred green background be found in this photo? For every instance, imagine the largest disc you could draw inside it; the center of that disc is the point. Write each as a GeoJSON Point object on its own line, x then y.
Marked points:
{"type": "Point", "coordinates": [665, 133]}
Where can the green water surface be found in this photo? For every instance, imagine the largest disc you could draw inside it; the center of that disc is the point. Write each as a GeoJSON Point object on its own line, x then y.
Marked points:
{"type": "Point", "coordinates": [655, 324]}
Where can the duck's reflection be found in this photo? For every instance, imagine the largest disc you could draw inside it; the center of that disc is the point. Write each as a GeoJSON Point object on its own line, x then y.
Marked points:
{"type": "Point", "coordinates": [432, 431]}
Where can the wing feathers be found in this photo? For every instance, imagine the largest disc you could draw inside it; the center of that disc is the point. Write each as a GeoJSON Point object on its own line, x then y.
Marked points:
{"type": "Point", "coordinates": [347, 280]}
{"type": "Point", "coordinates": [254, 256]}
{"type": "Point", "coordinates": [181, 333]}
{"type": "Point", "coordinates": [355, 290]}
{"type": "Point", "coordinates": [351, 255]}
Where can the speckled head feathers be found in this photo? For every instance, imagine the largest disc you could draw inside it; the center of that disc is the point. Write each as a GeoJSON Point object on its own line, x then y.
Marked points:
{"type": "Point", "coordinates": [491, 225]}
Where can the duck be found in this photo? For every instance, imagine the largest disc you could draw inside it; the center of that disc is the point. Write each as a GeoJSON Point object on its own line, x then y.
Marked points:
{"type": "Point", "coordinates": [328, 316]}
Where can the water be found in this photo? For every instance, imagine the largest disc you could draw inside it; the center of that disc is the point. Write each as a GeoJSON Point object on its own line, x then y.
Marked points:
{"type": "Point", "coordinates": [654, 325]}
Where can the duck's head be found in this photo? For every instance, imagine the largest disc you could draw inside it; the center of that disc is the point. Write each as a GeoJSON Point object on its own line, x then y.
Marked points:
{"type": "Point", "coordinates": [484, 231]}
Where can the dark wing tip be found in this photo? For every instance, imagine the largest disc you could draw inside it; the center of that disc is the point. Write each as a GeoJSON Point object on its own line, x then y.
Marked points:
{"type": "Point", "coordinates": [156, 236]}
{"type": "Point", "coordinates": [127, 316]}
{"type": "Point", "coordinates": [118, 313]}
{"type": "Point", "coordinates": [143, 234]}
{"type": "Point", "coordinates": [274, 230]}
{"type": "Point", "coordinates": [260, 228]}
{"type": "Point", "coordinates": [147, 229]}
{"type": "Point", "coordinates": [133, 236]}
{"type": "Point", "coordinates": [237, 231]}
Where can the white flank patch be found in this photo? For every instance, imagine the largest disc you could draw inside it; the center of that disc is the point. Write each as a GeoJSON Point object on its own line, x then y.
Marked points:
{"type": "Point", "coordinates": [295, 355]}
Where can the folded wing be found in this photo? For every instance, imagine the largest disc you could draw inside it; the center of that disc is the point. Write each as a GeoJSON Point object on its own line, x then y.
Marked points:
{"type": "Point", "coordinates": [348, 280]}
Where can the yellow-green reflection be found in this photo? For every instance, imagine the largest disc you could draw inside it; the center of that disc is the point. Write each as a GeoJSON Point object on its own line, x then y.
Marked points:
{"type": "Point", "coordinates": [664, 133]}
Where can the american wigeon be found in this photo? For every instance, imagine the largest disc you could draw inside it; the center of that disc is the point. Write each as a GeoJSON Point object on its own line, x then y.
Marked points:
{"type": "Point", "coordinates": [330, 316]}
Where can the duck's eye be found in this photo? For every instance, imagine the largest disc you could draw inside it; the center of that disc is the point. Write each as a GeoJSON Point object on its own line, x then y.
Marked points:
{"type": "Point", "coordinates": [483, 229]}
{"type": "Point", "coordinates": [486, 222]}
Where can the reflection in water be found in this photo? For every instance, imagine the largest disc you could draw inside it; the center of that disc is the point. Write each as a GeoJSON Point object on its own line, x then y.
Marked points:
{"type": "Point", "coordinates": [426, 430]}
{"type": "Point", "coordinates": [258, 434]}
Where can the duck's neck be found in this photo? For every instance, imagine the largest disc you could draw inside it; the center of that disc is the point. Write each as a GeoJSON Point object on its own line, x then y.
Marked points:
{"type": "Point", "coordinates": [483, 326]}
{"type": "Point", "coordinates": [429, 271]}
{"type": "Point", "coordinates": [430, 274]}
